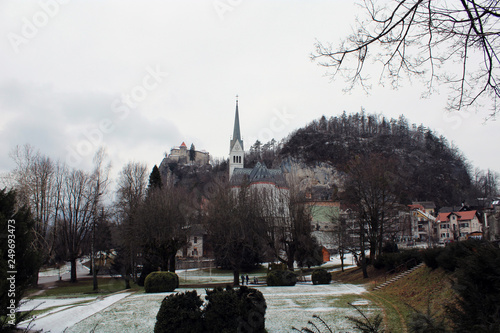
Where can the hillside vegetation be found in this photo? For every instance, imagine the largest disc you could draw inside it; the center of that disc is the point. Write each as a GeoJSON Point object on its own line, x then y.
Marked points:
{"type": "Point", "coordinates": [431, 168]}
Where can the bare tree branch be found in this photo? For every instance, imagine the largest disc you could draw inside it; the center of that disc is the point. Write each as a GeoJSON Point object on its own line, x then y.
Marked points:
{"type": "Point", "coordinates": [424, 38]}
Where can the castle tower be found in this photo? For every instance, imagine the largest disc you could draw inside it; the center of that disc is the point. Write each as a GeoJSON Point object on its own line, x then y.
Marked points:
{"type": "Point", "coordinates": [236, 151]}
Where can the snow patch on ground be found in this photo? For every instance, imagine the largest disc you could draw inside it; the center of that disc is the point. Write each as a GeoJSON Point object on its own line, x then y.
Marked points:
{"type": "Point", "coordinates": [45, 303]}
{"type": "Point", "coordinates": [286, 307]}
{"type": "Point", "coordinates": [58, 320]}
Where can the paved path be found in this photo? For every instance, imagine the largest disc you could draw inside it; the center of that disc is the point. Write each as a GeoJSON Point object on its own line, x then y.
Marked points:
{"type": "Point", "coordinates": [61, 319]}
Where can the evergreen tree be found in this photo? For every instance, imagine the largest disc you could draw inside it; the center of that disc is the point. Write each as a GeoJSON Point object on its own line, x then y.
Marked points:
{"type": "Point", "coordinates": [19, 260]}
{"type": "Point", "coordinates": [155, 178]}
{"type": "Point", "coordinates": [192, 153]}
{"type": "Point", "coordinates": [477, 307]}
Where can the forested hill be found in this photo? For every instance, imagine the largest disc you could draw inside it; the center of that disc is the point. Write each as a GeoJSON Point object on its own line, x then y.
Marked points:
{"type": "Point", "coordinates": [428, 165]}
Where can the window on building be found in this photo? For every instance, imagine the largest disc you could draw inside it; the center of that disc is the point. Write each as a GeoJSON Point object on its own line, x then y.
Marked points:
{"type": "Point", "coordinates": [195, 240]}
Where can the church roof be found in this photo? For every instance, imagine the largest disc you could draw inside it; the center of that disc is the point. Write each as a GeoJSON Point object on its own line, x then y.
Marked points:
{"type": "Point", "coordinates": [258, 174]}
{"type": "Point", "coordinates": [236, 129]}
{"type": "Point", "coordinates": [183, 144]}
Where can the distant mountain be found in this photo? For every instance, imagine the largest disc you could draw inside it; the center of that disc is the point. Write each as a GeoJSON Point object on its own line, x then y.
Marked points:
{"type": "Point", "coordinates": [430, 167]}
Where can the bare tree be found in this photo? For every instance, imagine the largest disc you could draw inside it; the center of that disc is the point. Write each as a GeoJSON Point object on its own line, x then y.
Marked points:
{"type": "Point", "coordinates": [100, 182]}
{"type": "Point", "coordinates": [235, 227]}
{"type": "Point", "coordinates": [370, 191]}
{"type": "Point", "coordinates": [131, 191]}
{"type": "Point", "coordinates": [288, 221]}
{"type": "Point", "coordinates": [342, 233]}
{"type": "Point", "coordinates": [76, 215]}
{"type": "Point", "coordinates": [162, 226]}
{"type": "Point", "coordinates": [453, 42]}
{"type": "Point", "coordinates": [38, 180]}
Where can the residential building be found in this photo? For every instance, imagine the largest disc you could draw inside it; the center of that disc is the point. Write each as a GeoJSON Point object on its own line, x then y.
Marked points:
{"type": "Point", "coordinates": [459, 225]}
{"type": "Point", "coordinates": [423, 221]}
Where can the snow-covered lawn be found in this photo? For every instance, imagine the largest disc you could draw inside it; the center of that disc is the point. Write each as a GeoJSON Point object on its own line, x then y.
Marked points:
{"type": "Point", "coordinates": [287, 307]}
{"type": "Point", "coordinates": [136, 312]}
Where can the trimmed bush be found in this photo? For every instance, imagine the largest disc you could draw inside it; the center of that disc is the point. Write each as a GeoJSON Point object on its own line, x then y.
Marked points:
{"type": "Point", "coordinates": [321, 276]}
{"type": "Point", "coordinates": [252, 310]}
{"type": "Point", "coordinates": [281, 278]}
{"type": "Point", "coordinates": [227, 311]}
{"type": "Point", "coordinates": [180, 313]}
{"type": "Point", "coordinates": [221, 313]}
{"type": "Point", "coordinates": [158, 282]}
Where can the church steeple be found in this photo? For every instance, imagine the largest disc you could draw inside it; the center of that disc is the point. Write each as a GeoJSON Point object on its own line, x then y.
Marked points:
{"type": "Point", "coordinates": [236, 129]}
{"type": "Point", "coordinates": [236, 151]}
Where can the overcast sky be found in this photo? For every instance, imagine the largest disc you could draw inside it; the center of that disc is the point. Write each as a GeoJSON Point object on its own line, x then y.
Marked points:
{"type": "Point", "coordinates": [140, 77]}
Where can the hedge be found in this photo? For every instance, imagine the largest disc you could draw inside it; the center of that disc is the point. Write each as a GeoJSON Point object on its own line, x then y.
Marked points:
{"type": "Point", "coordinates": [321, 276]}
{"type": "Point", "coordinates": [157, 282]}
{"type": "Point", "coordinates": [226, 311]}
{"type": "Point", "coordinates": [281, 278]}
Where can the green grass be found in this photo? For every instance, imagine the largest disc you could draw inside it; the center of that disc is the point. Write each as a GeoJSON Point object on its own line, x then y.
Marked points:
{"type": "Point", "coordinates": [84, 287]}
{"type": "Point", "coordinates": [400, 299]}
{"type": "Point", "coordinates": [422, 289]}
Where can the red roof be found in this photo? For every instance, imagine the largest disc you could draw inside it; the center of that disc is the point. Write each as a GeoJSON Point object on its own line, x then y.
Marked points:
{"type": "Point", "coordinates": [183, 144]}
{"type": "Point", "coordinates": [467, 215]}
{"type": "Point", "coordinates": [412, 207]}
{"type": "Point", "coordinates": [462, 216]}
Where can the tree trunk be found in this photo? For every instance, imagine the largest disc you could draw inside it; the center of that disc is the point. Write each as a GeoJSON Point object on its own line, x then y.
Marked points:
{"type": "Point", "coordinates": [342, 260]}
{"type": "Point", "coordinates": [290, 258]}
{"type": "Point", "coordinates": [171, 263]}
{"type": "Point", "coordinates": [73, 269]}
{"type": "Point", "coordinates": [362, 256]}
{"type": "Point", "coordinates": [127, 283]}
{"type": "Point", "coordinates": [364, 266]}
{"type": "Point", "coordinates": [236, 277]}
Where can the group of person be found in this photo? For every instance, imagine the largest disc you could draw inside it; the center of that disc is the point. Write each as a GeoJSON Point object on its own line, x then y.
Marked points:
{"type": "Point", "coordinates": [247, 279]}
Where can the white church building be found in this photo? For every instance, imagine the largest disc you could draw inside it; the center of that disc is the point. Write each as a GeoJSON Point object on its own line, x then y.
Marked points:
{"type": "Point", "coordinates": [269, 182]}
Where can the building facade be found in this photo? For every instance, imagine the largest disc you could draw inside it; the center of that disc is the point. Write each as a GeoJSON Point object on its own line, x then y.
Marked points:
{"type": "Point", "coordinates": [456, 226]}
{"type": "Point", "coordinates": [181, 154]}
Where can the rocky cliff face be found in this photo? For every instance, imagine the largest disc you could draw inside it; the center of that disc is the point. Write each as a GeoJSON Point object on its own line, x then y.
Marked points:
{"type": "Point", "coordinates": [320, 179]}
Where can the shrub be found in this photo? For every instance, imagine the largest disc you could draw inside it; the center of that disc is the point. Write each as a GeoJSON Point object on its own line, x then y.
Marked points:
{"type": "Point", "coordinates": [180, 313]}
{"type": "Point", "coordinates": [157, 282]}
{"type": "Point", "coordinates": [430, 256]}
{"type": "Point", "coordinates": [449, 256]}
{"type": "Point", "coordinates": [221, 313]}
{"type": "Point", "coordinates": [391, 261]}
{"type": "Point", "coordinates": [253, 307]}
{"type": "Point", "coordinates": [390, 247]}
{"type": "Point", "coordinates": [321, 276]}
{"type": "Point", "coordinates": [229, 310]}
{"type": "Point", "coordinates": [476, 308]}
{"type": "Point", "coordinates": [281, 278]}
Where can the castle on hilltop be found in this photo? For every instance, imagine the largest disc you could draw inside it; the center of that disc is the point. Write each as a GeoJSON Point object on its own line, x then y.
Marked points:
{"type": "Point", "coordinates": [182, 155]}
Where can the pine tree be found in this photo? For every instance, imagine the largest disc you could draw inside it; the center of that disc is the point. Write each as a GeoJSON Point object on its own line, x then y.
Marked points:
{"type": "Point", "coordinates": [19, 260]}
{"type": "Point", "coordinates": [192, 153]}
{"type": "Point", "coordinates": [155, 178]}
